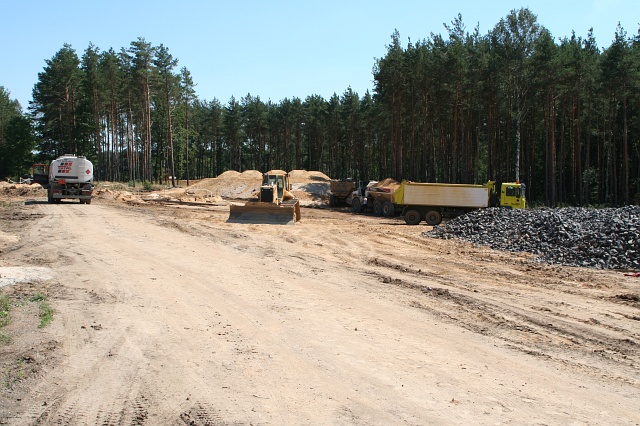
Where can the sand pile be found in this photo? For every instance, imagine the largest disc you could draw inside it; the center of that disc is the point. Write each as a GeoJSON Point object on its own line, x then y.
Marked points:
{"type": "Point", "coordinates": [387, 183]}
{"type": "Point", "coordinates": [230, 184]}
{"type": "Point", "coordinates": [22, 190]}
{"type": "Point", "coordinates": [310, 187]}
{"type": "Point", "coordinates": [303, 176]}
{"type": "Point", "coordinates": [117, 195]}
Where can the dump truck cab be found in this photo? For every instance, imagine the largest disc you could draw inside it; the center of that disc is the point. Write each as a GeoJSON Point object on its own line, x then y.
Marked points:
{"type": "Point", "coordinates": [512, 195]}
{"type": "Point", "coordinates": [509, 194]}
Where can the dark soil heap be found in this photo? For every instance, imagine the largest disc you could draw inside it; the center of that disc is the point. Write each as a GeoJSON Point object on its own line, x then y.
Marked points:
{"type": "Point", "coordinates": [603, 238]}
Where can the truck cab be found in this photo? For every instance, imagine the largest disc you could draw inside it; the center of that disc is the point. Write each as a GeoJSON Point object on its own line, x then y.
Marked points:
{"type": "Point", "coordinates": [512, 195]}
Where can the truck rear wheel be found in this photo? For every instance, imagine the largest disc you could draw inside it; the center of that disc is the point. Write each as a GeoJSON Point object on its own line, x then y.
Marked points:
{"type": "Point", "coordinates": [433, 217]}
{"type": "Point", "coordinates": [332, 200]}
{"type": "Point", "coordinates": [388, 209]}
{"type": "Point", "coordinates": [50, 195]}
{"type": "Point", "coordinates": [356, 205]}
{"type": "Point", "coordinates": [412, 217]}
{"type": "Point", "coordinates": [377, 208]}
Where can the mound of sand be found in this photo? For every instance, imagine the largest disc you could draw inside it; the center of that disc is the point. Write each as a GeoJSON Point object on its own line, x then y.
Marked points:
{"type": "Point", "coordinates": [387, 183]}
{"type": "Point", "coordinates": [304, 177]}
{"type": "Point", "coordinates": [117, 195]}
{"type": "Point", "coordinates": [310, 187]}
{"type": "Point", "coordinates": [22, 190]}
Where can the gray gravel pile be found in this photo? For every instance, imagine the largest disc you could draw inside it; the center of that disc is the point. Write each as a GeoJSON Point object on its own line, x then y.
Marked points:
{"type": "Point", "coordinates": [603, 238]}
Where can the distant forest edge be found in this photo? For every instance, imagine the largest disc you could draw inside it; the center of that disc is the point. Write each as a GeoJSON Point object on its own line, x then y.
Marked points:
{"type": "Point", "coordinates": [561, 115]}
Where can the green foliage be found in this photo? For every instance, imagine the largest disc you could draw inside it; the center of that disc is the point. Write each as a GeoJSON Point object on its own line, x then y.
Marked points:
{"type": "Point", "coordinates": [5, 308]}
{"type": "Point", "coordinates": [46, 311]}
{"type": "Point", "coordinates": [46, 314]}
{"type": "Point", "coordinates": [16, 139]}
{"type": "Point", "coordinates": [56, 98]}
{"type": "Point", "coordinates": [562, 114]}
{"type": "Point", "coordinates": [38, 297]}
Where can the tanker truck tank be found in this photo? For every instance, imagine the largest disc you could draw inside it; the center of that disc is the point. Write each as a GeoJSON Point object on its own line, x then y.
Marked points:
{"type": "Point", "coordinates": [70, 177]}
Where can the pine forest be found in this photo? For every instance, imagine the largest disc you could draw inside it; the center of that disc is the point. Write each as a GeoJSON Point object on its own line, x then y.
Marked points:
{"type": "Point", "coordinates": [560, 114]}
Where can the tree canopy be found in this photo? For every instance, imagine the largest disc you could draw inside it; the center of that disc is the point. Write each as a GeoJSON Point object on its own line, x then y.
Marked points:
{"type": "Point", "coordinates": [563, 115]}
{"type": "Point", "coordinates": [17, 139]}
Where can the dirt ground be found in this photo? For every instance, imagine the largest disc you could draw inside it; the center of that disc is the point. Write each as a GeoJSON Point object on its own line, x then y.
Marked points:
{"type": "Point", "coordinates": [167, 315]}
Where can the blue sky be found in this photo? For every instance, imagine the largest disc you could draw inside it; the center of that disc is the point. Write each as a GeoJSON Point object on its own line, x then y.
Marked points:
{"type": "Point", "coordinates": [272, 49]}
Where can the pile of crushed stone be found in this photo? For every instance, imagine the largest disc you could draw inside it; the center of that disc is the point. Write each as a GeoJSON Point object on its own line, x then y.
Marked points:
{"type": "Point", "coordinates": [573, 236]}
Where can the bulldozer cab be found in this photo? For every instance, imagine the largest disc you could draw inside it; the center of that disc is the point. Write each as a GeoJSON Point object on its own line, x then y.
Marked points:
{"type": "Point", "coordinates": [275, 205]}
{"type": "Point", "coordinates": [277, 181]}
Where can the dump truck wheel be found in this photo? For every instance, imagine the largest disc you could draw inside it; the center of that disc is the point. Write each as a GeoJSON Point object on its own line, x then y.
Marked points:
{"type": "Point", "coordinates": [377, 208]}
{"type": "Point", "coordinates": [388, 209]}
{"type": "Point", "coordinates": [88, 201]}
{"type": "Point", "coordinates": [433, 218]}
{"type": "Point", "coordinates": [332, 200]}
{"type": "Point", "coordinates": [412, 217]}
{"type": "Point", "coordinates": [356, 205]}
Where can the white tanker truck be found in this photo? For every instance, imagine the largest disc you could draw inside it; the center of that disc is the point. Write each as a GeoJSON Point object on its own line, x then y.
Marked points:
{"type": "Point", "coordinates": [68, 176]}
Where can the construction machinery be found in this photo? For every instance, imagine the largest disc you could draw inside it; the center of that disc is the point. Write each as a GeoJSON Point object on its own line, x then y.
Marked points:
{"type": "Point", "coordinates": [68, 176]}
{"type": "Point", "coordinates": [340, 191]}
{"type": "Point", "coordinates": [433, 201]}
{"type": "Point", "coordinates": [370, 196]}
{"type": "Point", "coordinates": [40, 173]}
{"type": "Point", "coordinates": [274, 205]}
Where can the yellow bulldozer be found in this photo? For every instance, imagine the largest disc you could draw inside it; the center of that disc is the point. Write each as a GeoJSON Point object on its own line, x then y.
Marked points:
{"type": "Point", "coordinates": [275, 204]}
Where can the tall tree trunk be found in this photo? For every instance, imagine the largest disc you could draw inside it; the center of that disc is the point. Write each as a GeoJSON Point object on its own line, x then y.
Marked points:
{"type": "Point", "coordinates": [625, 153]}
{"type": "Point", "coordinates": [553, 199]}
{"type": "Point", "coordinates": [186, 125]}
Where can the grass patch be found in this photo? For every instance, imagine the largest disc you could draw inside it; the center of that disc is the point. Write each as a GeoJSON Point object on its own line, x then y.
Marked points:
{"type": "Point", "coordinates": [5, 307]}
{"type": "Point", "coordinates": [46, 314]}
{"type": "Point", "coordinates": [46, 311]}
{"type": "Point", "coordinates": [38, 297]}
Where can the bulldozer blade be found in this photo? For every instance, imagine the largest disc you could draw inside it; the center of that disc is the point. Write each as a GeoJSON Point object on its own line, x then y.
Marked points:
{"type": "Point", "coordinates": [262, 213]}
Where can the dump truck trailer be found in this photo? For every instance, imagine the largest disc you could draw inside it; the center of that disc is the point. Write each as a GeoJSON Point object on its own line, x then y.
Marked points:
{"type": "Point", "coordinates": [433, 201]}
{"type": "Point", "coordinates": [340, 191]}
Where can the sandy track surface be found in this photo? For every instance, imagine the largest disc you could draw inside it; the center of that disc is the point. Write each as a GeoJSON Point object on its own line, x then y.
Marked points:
{"type": "Point", "coordinates": [169, 315]}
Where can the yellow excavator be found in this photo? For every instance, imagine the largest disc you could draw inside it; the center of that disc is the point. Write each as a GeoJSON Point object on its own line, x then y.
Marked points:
{"type": "Point", "coordinates": [275, 205]}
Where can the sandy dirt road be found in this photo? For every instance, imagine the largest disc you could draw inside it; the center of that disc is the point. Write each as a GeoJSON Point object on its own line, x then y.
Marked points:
{"type": "Point", "coordinates": [168, 315]}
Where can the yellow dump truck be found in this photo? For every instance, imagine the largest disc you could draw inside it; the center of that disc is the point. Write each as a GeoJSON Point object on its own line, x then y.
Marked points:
{"type": "Point", "coordinates": [433, 201]}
